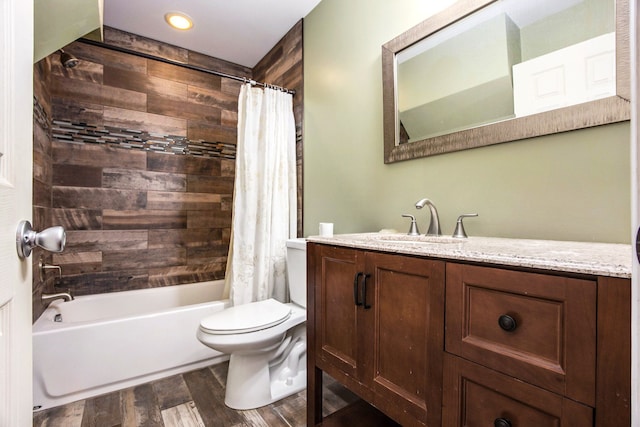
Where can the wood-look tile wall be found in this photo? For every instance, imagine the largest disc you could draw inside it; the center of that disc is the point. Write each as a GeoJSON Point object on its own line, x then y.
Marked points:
{"type": "Point", "coordinates": [138, 219]}
{"type": "Point", "coordinates": [42, 177]}
{"type": "Point", "coordinates": [134, 218]}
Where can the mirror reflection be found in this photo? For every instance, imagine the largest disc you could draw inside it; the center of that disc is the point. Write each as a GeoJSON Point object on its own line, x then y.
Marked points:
{"type": "Point", "coordinates": [511, 59]}
{"type": "Point", "coordinates": [540, 76]}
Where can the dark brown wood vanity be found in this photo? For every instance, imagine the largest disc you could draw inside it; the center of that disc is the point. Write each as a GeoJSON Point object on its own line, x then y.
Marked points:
{"type": "Point", "coordinates": [439, 338]}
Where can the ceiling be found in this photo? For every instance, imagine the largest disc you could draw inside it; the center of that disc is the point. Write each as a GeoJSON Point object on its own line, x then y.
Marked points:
{"type": "Point", "coordinates": [239, 31]}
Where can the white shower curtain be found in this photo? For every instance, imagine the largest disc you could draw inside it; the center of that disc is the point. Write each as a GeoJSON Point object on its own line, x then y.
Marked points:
{"type": "Point", "coordinates": [264, 199]}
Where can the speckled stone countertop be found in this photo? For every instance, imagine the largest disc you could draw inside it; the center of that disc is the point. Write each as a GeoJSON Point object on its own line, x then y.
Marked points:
{"type": "Point", "coordinates": [600, 259]}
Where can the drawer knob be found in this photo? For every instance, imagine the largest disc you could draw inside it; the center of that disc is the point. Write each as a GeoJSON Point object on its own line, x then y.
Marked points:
{"type": "Point", "coordinates": [507, 323]}
{"type": "Point", "coordinates": [501, 422]}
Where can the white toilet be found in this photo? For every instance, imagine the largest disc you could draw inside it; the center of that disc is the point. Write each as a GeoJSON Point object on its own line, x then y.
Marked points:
{"type": "Point", "coordinates": [266, 341]}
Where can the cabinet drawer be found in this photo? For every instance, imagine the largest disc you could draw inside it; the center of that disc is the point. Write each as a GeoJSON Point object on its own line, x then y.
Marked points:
{"type": "Point", "coordinates": [477, 396]}
{"type": "Point", "coordinates": [536, 327]}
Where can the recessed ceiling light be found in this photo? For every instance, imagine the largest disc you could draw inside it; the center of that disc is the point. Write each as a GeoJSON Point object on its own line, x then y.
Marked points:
{"type": "Point", "coordinates": [179, 20]}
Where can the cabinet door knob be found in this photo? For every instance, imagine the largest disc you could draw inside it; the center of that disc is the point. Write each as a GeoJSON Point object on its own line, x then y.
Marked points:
{"type": "Point", "coordinates": [501, 422]}
{"type": "Point", "coordinates": [507, 323]}
{"type": "Point", "coordinates": [356, 283]}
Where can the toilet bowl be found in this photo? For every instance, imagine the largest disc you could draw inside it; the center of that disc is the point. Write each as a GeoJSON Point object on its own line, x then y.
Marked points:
{"type": "Point", "coordinates": [266, 341]}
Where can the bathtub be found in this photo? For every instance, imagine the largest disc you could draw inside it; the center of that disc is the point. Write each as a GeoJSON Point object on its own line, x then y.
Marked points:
{"type": "Point", "coordinates": [107, 342]}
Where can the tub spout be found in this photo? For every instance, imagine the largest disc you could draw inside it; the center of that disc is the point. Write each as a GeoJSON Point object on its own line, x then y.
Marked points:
{"type": "Point", "coordinates": [48, 298]}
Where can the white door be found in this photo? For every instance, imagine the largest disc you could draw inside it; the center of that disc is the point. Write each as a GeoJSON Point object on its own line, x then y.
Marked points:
{"type": "Point", "coordinates": [635, 214]}
{"type": "Point", "coordinates": [16, 146]}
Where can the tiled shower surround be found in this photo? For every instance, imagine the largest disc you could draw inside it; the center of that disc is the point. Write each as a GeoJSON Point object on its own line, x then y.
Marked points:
{"type": "Point", "coordinates": [139, 219]}
{"type": "Point", "coordinates": [135, 158]}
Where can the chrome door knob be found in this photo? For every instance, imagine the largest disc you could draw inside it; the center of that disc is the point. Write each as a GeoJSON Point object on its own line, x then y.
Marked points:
{"type": "Point", "coordinates": [51, 239]}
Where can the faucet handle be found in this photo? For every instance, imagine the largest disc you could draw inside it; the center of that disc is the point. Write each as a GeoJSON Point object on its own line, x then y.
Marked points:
{"type": "Point", "coordinates": [413, 229]}
{"type": "Point", "coordinates": [43, 267]}
{"type": "Point", "coordinates": [459, 231]}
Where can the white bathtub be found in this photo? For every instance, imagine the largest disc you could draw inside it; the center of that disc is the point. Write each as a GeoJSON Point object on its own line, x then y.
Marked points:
{"type": "Point", "coordinates": [107, 342]}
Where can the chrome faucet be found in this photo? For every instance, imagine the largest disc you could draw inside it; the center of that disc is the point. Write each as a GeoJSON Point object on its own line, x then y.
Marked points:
{"type": "Point", "coordinates": [434, 223]}
{"type": "Point", "coordinates": [48, 298]}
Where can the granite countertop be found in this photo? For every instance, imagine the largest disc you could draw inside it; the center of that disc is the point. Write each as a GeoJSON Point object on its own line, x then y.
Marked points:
{"type": "Point", "coordinates": [600, 259]}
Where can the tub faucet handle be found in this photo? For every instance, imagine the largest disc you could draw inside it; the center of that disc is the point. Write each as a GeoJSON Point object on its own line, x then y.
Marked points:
{"type": "Point", "coordinates": [413, 229]}
{"type": "Point", "coordinates": [459, 231]}
{"type": "Point", "coordinates": [43, 267]}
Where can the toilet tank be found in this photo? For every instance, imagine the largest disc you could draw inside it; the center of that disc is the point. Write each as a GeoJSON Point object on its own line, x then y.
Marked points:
{"type": "Point", "coordinates": [297, 270]}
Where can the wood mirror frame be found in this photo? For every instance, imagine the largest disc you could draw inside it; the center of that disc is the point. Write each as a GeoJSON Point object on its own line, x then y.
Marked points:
{"type": "Point", "coordinates": [593, 113]}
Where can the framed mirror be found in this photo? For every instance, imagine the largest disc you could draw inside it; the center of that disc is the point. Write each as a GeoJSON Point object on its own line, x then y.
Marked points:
{"type": "Point", "coordinates": [485, 72]}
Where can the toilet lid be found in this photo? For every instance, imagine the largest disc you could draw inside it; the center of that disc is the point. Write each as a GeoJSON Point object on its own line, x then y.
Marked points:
{"type": "Point", "coordinates": [246, 318]}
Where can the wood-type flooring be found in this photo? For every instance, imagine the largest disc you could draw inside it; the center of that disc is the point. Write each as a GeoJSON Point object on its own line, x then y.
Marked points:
{"type": "Point", "coordinates": [194, 398]}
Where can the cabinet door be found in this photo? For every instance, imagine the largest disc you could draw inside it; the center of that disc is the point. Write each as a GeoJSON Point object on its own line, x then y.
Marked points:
{"type": "Point", "coordinates": [406, 316]}
{"type": "Point", "coordinates": [338, 342]}
{"type": "Point", "coordinates": [475, 396]}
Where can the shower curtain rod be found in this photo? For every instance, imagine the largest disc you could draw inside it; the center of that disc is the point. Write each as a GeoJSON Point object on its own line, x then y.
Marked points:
{"type": "Point", "coordinates": [183, 65]}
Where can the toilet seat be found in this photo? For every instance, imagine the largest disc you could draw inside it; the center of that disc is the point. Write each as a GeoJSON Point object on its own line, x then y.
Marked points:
{"type": "Point", "coordinates": [246, 318]}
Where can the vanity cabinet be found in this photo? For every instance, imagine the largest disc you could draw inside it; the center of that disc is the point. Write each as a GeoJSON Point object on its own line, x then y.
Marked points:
{"type": "Point", "coordinates": [440, 342]}
{"type": "Point", "coordinates": [379, 328]}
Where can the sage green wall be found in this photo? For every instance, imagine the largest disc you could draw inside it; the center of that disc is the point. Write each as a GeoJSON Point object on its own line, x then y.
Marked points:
{"type": "Point", "coordinates": [588, 19]}
{"type": "Point", "coordinates": [59, 22]}
{"type": "Point", "coordinates": [570, 186]}
{"type": "Point", "coordinates": [486, 50]}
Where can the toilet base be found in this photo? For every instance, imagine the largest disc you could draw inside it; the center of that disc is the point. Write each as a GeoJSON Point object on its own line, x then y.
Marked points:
{"type": "Point", "coordinates": [257, 379]}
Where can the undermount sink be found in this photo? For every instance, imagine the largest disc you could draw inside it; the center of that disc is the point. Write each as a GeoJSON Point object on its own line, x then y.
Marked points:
{"type": "Point", "coordinates": [421, 239]}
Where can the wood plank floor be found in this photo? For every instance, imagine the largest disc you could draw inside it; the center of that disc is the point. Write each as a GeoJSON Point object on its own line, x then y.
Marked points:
{"type": "Point", "coordinates": [194, 398]}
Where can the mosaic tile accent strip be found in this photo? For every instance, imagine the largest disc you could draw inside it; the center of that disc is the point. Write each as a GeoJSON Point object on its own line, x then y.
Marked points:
{"type": "Point", "coordinates": [83, 133]}
{"type": "Point", "coordinates": [40, 115]}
